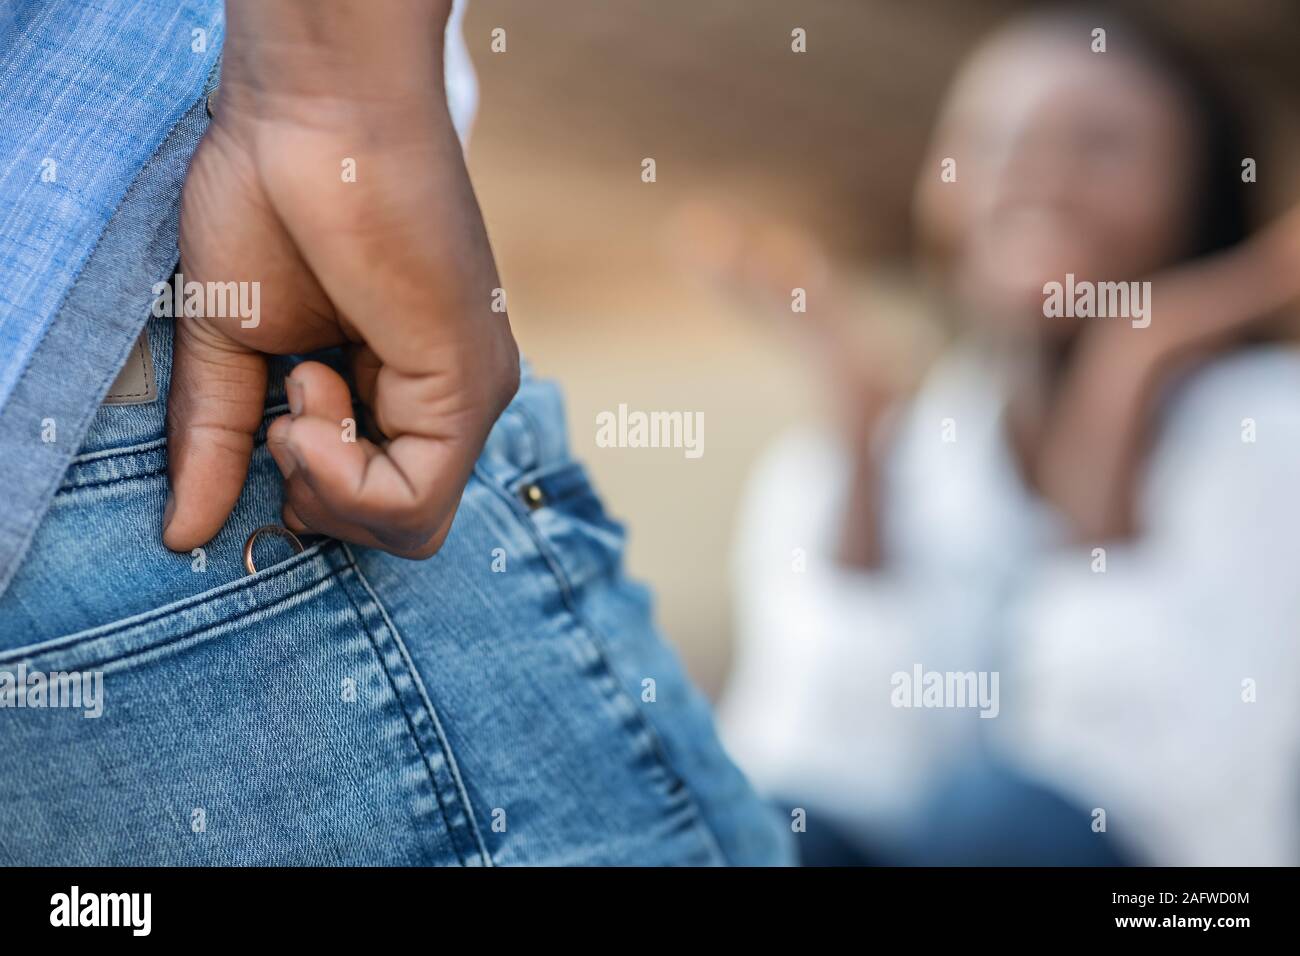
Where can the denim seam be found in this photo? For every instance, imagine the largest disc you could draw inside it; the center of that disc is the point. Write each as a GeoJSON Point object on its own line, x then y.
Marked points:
{"type": "Point", "coordinates": [448, 755]}
{"type": "Point", "coordinates": [397, 697]}
{"type": "Point", "coordinates": [186, 604]}
{"type": "Point", "coordinates": [196, 632]}
{"type": "Point", "coordinates": [104, 482]}
{"type": "Point", "coordinates": [599, 645]}
{"type": "Point", "coordinates": [140, 448]}
{"type": "Point", "coordinates": [513, 422]}
{"type": "Point", "coordinates": [109, 457]}
{"type": "Point", "coordinates": [410, 730]}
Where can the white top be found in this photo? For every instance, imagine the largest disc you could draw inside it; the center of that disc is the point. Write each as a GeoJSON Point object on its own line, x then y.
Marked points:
{"type": "Point", "coordinates": [1124, 689]}
{"type": "Point", "coordinates": [458, 74]}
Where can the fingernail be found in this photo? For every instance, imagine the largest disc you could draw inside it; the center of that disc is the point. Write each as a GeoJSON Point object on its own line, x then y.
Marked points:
{"type": "Point", "coordinates": [294, 391]}
{"type": "Point", "coordinates": [167, 511]}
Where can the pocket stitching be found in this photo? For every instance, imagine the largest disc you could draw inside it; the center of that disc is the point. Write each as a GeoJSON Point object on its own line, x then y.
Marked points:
{"type": "Point", "coordinates": [427, 704]}
{"type": "Point", "coordinates": [105, 482]}
{"type": "Point", "coordinates": [545, 550]}
{"type": "Point", "coordinates": [229, 589]}
{"type": "Point", "coordinates": [202, 629]}
{"type": "Point", "coordinates": [96, 463]}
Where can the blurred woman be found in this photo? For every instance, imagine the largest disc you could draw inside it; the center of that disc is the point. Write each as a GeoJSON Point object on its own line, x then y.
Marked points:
{"type": "Point", "coordinates": [1092, 520]}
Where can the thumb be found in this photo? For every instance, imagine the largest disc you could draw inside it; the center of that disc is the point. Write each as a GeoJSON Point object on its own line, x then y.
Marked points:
{"type": "Point", "coordinates": [214, 408]}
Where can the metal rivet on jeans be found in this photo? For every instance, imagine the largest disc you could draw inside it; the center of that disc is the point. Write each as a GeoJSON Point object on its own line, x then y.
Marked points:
{"type": "Point", "coordinates": [533, 497]}
{"type": "Point", "coordinates": [280, 532]}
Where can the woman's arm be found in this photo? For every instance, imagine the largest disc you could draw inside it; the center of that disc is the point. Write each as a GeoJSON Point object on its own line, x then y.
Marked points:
{"type": "Point", "coordinates": [1099, 429]}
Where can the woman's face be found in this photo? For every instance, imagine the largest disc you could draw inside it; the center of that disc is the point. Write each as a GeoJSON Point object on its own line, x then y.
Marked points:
{"type": "Point", "coordinates": [1067, 161]}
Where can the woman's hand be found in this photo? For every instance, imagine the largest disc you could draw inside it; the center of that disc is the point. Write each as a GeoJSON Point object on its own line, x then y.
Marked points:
{"type": "Point", "coordinates": [1096, 434]}
{"type": "Point", "coordinates": [764, 266]}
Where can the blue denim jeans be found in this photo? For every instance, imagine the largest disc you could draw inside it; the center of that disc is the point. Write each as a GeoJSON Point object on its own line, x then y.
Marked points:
{"type": "Point", "coordinates": [980, 813]}
{"type": "Point", "coordinates": [506, 702]}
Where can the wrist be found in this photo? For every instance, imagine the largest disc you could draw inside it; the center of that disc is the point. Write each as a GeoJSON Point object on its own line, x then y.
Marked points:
{"type": "Point", "coordinates": [349, 61]}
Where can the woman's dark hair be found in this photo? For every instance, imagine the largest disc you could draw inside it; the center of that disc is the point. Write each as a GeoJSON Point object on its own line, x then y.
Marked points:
{"type": "Point", "coordinates": [1224, 216]}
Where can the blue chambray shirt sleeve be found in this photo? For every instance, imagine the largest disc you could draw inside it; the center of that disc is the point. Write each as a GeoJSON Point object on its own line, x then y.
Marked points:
{"type": "Point", "coordinates": [90, 89]}
{"type": "Point", "coordinates": [100, 110]}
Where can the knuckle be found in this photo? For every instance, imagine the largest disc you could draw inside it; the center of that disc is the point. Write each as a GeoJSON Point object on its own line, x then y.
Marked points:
{"type": "Point", "coordinates": [426, 550]}
{"type": "Point", "coordinates": [411, 521]}
{"type": "Point", "coordinates": [418, 543]}
{"type": "Point", "coordinates": [406, 542]}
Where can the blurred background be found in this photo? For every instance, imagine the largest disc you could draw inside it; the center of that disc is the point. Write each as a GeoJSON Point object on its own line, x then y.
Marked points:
{"type": "Point", "coordinates": [599, 293]}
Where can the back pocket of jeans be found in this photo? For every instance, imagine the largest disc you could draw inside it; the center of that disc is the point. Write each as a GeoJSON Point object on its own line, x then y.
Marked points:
{"type": "Point", "coordinates": [262, 723]}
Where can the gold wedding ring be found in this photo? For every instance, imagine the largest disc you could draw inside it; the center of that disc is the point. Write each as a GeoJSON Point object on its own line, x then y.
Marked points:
{"type": "Point", "coordinates": [280, 532]}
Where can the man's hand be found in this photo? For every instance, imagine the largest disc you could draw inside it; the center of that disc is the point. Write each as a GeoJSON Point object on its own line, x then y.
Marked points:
{"type": "Point", "coordinates": [395, 265]}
